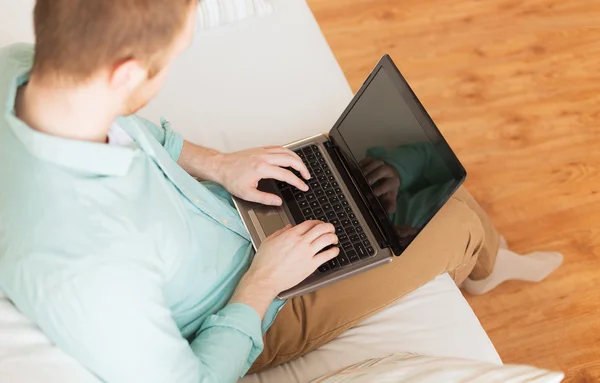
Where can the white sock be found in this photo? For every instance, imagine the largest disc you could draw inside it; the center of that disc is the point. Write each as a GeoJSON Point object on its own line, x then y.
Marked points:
{"type": "Point", "coordinates": [509, 265]}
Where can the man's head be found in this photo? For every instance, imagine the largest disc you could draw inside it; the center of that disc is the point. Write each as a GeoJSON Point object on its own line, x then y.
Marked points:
{"type": "Point", "coordinates": [123, 47]}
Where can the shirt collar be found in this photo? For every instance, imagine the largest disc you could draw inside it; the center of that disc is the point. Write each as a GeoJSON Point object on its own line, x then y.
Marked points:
{"type": "Point", "coordinates": [88, 157]}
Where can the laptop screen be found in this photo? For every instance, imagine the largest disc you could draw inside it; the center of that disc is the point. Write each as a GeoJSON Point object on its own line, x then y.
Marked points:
{"type": "Point", "coordinates": [404, 164]}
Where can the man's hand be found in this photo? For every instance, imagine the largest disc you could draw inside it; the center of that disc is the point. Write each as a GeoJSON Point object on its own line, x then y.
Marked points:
{"type": "Point", "coordinates": [240, 172]}
{"type": "Point", "coordinates": [285, 259]}
{"type": "Point", "coordinates": [384, 180]}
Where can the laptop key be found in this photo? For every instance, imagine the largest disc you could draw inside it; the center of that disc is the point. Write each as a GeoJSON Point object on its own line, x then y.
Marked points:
{"type": "Point", "coordinates": [359, 229]}
{"type": "Point", "coordinates": [334, 184]}
{"type": "Point", "coordinates": [335, 222]}
{"type": "Point", "coordinates": [324, 268]}
{"type": "Point", "coordinates": [370, 250]}
{"type": "Point", "coordinates": [341, 215]}
{"type": "Point", "coordinates": [362, 236]}
{"type": "Point", "coordinates": [337, 207]}
{"type": "Point", "coordinates": [307, 150]}
{"type": "Point", "coordinates": [339, 230]}
{"type": "Point", "coordinates": [320, 193]}
{"type": "Point", "coordinates": [317, 153]}
{"type": "Point", "coordinates": [299, 196]}
{"type": "Point", "coordinates": [327, 171]}
{"type": "Point", "coordinates": [361, 251]}
{"type": "Point", "coordinates": [306, 211]}
{"type": "Point", "coordinates": [313, 204]}
{"type": "Point", "coordinates": [329, 192]}
{"type": "Point", "coordinates": [354, 238]}
{"type": "Point", "coordinates": [347, 246]}
{"type": "Point", "coordinates": [333, 264]}
{"type": "Point", "coordinates": [310, 197]}
{"type": "Point", "coordinates": [366, 242]}
{"type": "Point", "coordinates": [310, 217]}
{"type": "Point", "coordinates": [345, 203]}
{"type": "Point", "coordinates": [303, 204]}
{"type": "Point", "coordinates": [332, 178]}
{"type": "Point", "coordinates": [322, 218]}
{"type": "Point", "coordinates": [313, 184]}
{"type": "Point", "coordinates": [342, 260]}
{"type": "Point", "coordinates": [326, 206]}
{"type": "Point", "coordinates": [323, 200]}
{"type": "Point", "coordinates": [352, 256]}
{"type": "Point", "coordinates": [310, 157]}
{"type": "Point", "coordinates": [350, 230]}
{"type": "Point", "coordinates": [314, 148]}
{"type": "Point", "coordinates": [330, 214]}
{"type": "Point", "coordinates": [318, 171]}
{"type": "Point", "coordinates": [350, 214]}
{"type": "Point", "coordinates": [318, 211]}
{"type": "Point", "coordinates": [342, 238]}
{"type": "Point", "coordinates": [334, 199]}
{"type": "Point", "coordinates": [345, 222]}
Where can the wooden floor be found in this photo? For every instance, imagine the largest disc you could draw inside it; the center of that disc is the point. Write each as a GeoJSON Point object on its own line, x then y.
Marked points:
{"type": "Point", "coordinates": [514, 85]}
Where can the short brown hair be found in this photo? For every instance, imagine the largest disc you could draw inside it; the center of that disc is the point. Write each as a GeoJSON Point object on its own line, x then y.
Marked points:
{"type": "Point", "coordinates": [76, 39]}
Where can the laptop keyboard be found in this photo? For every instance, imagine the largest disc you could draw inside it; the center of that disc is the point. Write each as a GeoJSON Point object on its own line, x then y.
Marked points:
{"type": "Point", "coordinates": [325, 201]}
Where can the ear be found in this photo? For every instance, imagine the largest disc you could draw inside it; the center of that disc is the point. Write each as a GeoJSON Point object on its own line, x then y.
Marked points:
{"type": "Point", "coordinates": [127, 75]}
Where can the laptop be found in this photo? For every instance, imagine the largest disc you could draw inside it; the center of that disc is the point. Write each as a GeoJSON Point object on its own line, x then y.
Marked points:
{"type": "Point", "coordinates": [379, 176]}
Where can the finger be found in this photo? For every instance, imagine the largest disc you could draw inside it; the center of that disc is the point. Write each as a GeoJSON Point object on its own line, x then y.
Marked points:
{"type": "Point", "coordinates": [371, 166]}
{"type": "Point", "coordinates": [304, 227]}
{"type": "Point", "coordinates": [387, 185]}
{"type": "Point", "coordinates": [285, 160]}
{"type": "Point", "coordinates": [255, 195]}
{"type": "Point", "coordinates": [326, 255]}
{"type": "Point", "coordinates": [365, 161]}
{"type": "Point", "coordinates": [379, 173]}
{"type": "Point", "coordinates": [279, 150]}
{"type": "Point", "coordinates": [284, 175]}
{"type": "Point", "coordinates": [317, 231]}
{"type": "Point", "coordinates": [324, 241]}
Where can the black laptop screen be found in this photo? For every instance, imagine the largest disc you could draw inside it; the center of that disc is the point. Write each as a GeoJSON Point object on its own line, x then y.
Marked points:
{"type": "Point", "coordinates": [397, 155]}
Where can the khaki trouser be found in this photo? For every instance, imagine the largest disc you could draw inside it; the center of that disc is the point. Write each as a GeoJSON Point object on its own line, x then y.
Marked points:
{"type": "Point", "coordinates": [459, 240]}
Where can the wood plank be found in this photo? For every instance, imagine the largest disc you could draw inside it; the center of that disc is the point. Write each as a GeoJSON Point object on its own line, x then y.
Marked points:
{"type": "Point", "coordinates": [514, 86]}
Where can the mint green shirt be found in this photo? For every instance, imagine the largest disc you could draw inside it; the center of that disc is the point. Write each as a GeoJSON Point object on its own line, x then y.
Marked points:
{"type": "Point", "coordinates": [124, 260]}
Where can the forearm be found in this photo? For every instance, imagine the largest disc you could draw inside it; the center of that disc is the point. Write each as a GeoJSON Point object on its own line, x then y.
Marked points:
{"type": "Point", "coordinates": [202, 163]}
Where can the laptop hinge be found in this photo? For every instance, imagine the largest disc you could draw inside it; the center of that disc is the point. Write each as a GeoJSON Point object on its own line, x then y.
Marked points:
{"type": "Point", "coordinates": [340, 162]}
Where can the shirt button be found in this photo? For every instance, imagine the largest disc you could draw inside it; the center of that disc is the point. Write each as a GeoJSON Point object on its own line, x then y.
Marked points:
{"type": "Point", "coordinates": [225, 222]}
{"type": "Point", "coordinates": [197, 201]}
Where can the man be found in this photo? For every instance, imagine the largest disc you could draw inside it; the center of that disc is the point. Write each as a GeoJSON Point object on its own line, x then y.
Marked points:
{"type": "Point", "coordinates": [128, 263]}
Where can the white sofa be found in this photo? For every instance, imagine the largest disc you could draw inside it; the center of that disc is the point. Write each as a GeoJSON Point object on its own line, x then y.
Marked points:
{"type": "Point", "coordinates": [261, 81]}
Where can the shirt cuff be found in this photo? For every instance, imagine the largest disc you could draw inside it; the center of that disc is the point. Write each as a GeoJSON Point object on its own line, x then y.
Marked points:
{"type": "Point", "coordinates": [173, 140]}
{"type": "Point", "coordinates": [244, 319]}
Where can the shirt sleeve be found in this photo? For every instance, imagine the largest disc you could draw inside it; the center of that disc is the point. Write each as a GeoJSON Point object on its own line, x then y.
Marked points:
{"type": "Point", "coordinates": [115, 322]}
{"type": "Point", "coordinates": [165, 135]}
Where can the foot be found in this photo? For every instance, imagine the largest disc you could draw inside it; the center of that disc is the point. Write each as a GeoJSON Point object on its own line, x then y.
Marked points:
{"type": "Point", "coordinates": [533, 267]}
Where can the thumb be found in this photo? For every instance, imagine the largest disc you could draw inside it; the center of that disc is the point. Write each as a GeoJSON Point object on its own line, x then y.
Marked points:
{"type": "Point", "coordinates": [255, 195]}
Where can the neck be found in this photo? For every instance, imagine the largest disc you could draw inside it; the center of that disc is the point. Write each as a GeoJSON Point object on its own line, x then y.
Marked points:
{"type": "Point", "coordinates": [74, 112]}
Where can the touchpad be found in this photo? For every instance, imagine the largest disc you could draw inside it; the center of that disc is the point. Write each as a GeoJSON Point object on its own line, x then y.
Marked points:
{"type": "Point", "coordinates": [270, 220]}
{"type": "Point", "coordinates": [266, 220]}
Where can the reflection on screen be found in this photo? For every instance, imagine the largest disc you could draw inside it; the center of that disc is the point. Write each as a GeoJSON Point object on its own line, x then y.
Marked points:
{"type": "Point", "coordinates": [397, 158]}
